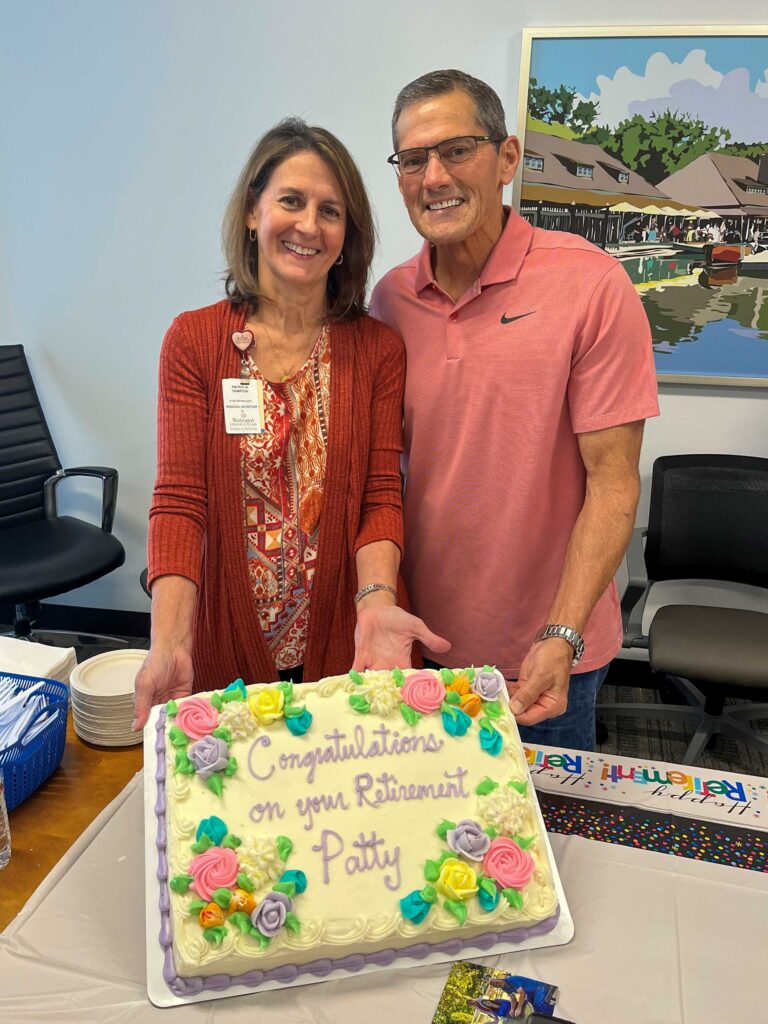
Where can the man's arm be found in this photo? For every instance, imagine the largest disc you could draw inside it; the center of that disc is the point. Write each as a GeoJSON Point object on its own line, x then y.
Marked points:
{"type": "Point", "coordinates": [597, 544]}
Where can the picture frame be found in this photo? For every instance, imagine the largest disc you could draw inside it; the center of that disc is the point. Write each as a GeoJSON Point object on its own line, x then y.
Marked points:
{"type": "Point", "coordinates": [652, 143]}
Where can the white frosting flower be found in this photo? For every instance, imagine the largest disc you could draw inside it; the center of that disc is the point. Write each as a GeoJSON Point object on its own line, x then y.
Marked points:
{"type": "Point", "coordinates": [505, 809]}
{"type": "Point", "coordinates": [260, 861]}
{"type": "Point", "coordinates": [236, 717]}
{"type": "Point", "coordinates": [381, 692]}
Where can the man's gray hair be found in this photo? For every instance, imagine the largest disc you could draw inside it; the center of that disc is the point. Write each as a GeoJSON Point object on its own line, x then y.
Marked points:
{"type": "Point", "coordinates": [488, 109]}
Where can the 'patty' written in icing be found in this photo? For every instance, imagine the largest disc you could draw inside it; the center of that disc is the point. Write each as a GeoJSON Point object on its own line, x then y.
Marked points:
{"type": "Point", "coordinates": [368, 858]}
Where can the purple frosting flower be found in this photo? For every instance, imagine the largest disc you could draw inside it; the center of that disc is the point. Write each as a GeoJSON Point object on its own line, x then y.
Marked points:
{"type": "Point", "coordinates": [468, 839]}
{"type": "Point", "coordinates": [209, 755]}
{"type": "Point", "coordinates": [269, 916]}
{"type": "Point", "coordinates": [488, 684]}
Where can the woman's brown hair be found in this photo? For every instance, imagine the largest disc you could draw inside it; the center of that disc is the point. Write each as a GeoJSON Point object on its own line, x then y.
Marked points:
{"type": "Point", "coordinates": [347, 282]}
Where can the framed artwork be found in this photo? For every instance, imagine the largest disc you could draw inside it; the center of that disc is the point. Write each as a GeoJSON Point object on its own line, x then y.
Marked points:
{"type": "Point", "coordinates": [653, 144]}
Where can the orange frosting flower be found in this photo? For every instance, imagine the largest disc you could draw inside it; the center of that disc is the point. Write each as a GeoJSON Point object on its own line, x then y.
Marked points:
{"type": "Point", "coordinates": [242, 900]}
{"type": "Point", "coordinates": [460, 684]}
{"type": "Point", "coordinates": [471, 703]}
{"type": "Point", "coordinates": [211, 916]}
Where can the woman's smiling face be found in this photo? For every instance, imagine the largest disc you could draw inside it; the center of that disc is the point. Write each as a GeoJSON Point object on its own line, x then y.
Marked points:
{"type": "Point", "coordinates": [300, 223]}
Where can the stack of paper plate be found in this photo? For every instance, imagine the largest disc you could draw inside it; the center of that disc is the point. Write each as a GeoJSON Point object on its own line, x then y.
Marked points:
{"type": "Point", "coordinates": [101, 689]}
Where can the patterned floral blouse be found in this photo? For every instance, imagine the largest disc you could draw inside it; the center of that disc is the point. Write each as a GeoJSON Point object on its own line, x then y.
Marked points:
{"type": "Point", "coordinates": [283, 473]}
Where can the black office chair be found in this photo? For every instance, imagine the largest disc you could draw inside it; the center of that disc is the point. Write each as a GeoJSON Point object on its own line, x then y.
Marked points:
{"type": "Point", "coordinates": [43, 554]}
{"type": "Point", "coordinates": [708, 521]}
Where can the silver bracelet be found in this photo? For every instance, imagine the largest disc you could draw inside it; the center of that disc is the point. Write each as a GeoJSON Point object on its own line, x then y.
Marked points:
{"type": "Point", "coordinates": [371, 588]}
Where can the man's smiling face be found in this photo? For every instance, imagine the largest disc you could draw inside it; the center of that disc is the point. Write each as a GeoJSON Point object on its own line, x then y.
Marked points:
{"type": "Point", "coordinates": [452, 204]}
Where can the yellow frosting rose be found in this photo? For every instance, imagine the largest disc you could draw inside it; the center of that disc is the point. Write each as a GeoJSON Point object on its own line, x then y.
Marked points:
{"type": "Point", "coordinates": [266, 706]}
{"type": "Point", "coordinates": [457, 880]}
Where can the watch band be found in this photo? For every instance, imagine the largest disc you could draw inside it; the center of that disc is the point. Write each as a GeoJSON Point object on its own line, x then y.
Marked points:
{"type": "Point", "coordinates": [372, 588]}
{"type": "Point", "coordinates": [576, 640]}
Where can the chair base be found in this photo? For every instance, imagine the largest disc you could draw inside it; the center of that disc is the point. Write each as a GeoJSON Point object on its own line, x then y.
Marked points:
{"type": "Point", "coordinates": [727, 722]}
{"type": "Point", "coordinates": [23, 629]}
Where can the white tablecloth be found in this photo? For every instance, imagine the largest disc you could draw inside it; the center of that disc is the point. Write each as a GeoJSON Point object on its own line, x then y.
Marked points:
{"type": "Point", "coordinates": [659, 940]}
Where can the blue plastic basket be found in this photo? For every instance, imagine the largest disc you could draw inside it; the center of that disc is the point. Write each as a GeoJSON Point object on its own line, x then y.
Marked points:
{"type": "Point", "coordinates": [25, 767]}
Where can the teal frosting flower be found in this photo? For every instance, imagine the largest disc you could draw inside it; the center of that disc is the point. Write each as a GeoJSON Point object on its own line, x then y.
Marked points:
{"type": "Point", "coordinates": [212, 827]}
{"type": "Point", "coordinates": [298, 878]}
{"type": "Point", "coordinates": [414, 907]}
{"type": "Point", "coordinates": [298, 724]}
{"type": "Point", "coordinates": [456, 722]}
{"type": "Point", "coordinates": [488, 899]}
{"type": "Point", "coordinates": [492, 741]}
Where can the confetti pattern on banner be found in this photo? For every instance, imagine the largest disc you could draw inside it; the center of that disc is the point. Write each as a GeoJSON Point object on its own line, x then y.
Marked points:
{"type": "Point", "coordinates": [659, 833]}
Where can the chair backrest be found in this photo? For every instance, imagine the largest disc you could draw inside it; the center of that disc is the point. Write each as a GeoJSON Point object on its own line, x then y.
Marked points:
{"type": "Point", "coordinates": [27, 453]}
{"type": "Point", "coordinates": [709, 519]}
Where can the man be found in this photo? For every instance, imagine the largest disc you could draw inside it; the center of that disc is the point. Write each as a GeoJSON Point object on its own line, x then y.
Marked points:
{"type": "Point", "coordinates": [530, 373]}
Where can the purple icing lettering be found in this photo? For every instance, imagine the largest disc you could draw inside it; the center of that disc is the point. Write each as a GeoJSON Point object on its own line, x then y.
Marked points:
{"type": "Point", "coordinates": [266, 742]}
{"type": "Point", "coordinates": [268, 810]}
{"type": "Point", "coordinates": [311, 805]}
{"type": "Point", "coordinates": [371, 857]}
{"type": "Point", "coordinates": [391, 790]}
{"type": "Point", "coordinates": [323, 848]}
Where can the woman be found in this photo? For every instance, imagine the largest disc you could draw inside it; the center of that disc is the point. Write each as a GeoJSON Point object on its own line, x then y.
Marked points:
{"type": "Point", "coordinates": [276, 527]}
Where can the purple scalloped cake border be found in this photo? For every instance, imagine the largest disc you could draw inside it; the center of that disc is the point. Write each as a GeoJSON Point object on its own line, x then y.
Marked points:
{"type": "Point", "coordinates": [287, 973]}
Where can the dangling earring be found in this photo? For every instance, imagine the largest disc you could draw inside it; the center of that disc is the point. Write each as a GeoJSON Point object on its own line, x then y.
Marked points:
{"type": "Point", "coordinates": [339, 261]}
{"type": "Point", "coordinates": [252, 235]}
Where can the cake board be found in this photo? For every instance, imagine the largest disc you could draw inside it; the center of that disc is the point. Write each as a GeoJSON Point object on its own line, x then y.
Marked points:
{"type": "Point", "coordinates": [160, 994]}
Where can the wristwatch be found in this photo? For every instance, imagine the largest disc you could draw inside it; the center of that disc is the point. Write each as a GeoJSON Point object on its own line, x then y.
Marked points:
{"type": "Point", "coordinates": [576, 640]}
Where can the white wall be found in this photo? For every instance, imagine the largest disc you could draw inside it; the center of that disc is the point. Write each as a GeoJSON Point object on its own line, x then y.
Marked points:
{"type": "Point", "coordinates": [127, 127]}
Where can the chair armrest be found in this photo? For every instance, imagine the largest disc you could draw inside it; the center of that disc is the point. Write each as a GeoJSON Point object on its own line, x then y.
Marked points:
{"type": "Point", "coordinates": [635, 596]}
{"type": "Point", "coordinates": [108, 477]}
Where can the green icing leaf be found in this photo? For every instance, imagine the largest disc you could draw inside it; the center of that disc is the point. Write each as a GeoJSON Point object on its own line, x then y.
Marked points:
{"type": "Point", "coordinates": [523, 842]}
{"type": "Point", "coordinates": [432, 870]}
{"type": "Point", "coordinates": [183, 765]}
{"type": "Point", "coordinates": [355, 677]}
{"type": "Point", "coordinates": [292, 923]}
{"type": "Point", "coordinates": [232, 842]}
{"type": "Point", "coordinates": [215, 935]}
{"type": "Point", "coordinates": [470, 674]}
{"type": "Point", "coordinates": [359, 703]}
{"type": "Point", "coordinates": [231, 767]}
{"type": "Point", "coordinates": [488, 668]}
{"type": "Point", "coordinates": [457, 908]}
{"type": "Point", "coordinates": [262, 939]}
{"type": "Point", "coordinates": [244, 882]}
{"type": "Point", "coordinates": [223, 734]}
{"type": "Point", "coordinates": [452, 697]}
{"type": "Point", "coordinates": [492, 708]}
{"type": "Point", "coordinates": [222, 897]}
{"type": "Point", "coordinates": [442, 828]}
{"type": "Point", "coordinates": [484, 723]}
{"type": "Point", "coordinates": [286, 688]}
{"type": "Point", "coordinates": [491, 831]}
{"type": "Point", "coordinates": [444, 856]}
{"type": "Point", "coordinates": [171, 708]}
{"type": "Point", "coordinates": [284, 847]}
{"type": "Point", "coordinates": [448, 708]}
{"type": "Point", "coordinates": [514, 897]}
{"type": "Point", "coordinates": [196, 906]}
{"type": "Point", "coordinates": [177, 737]}
{"type": "Point", "coordinates": [181, 883]}
{"type": "Point", "coordinates": [520, 787]}
{"type": "Point", "coordinates": [215, 784]}
{"type": "Point", "coordinates": [293, 710]}
{"type": "Point", "coordinates": [487, 885]}
{"type": "Point", "coordinates": [216, 701]}
{"type": "Point", "coordinates": [289, 888]}
{"type": "Point", "coordinates": [447, 675]}
{"type": "Point", "coordinates": [241, 920]}
{"type": "Point", "coordinates": [429, 894]}
{"type": "Point", "coordinates": [398, 676]}
{"type": "Point", "coordinates": [410, 715]}
{"type": "Point", "coordinates": [203, 843]}
{"type": "Point", "coordinates": [486, 786]}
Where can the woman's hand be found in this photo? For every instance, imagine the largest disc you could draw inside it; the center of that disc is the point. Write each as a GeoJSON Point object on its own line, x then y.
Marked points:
{"type": "Point", "coordinates": [385, 634]}
{"type": "Point", "coordinates": [165, 675]}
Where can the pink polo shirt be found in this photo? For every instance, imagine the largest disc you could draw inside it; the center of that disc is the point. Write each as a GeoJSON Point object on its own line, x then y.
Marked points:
{"type": "Point", "coordinates": [550, 342]}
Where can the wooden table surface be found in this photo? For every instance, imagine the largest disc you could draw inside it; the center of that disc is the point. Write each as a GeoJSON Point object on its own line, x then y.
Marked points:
{"type": "Point", "coordinates": [45, 826]}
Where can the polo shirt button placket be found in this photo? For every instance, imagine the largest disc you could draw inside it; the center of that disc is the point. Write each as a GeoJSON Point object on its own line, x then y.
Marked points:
{"type": "Point", "coordinates": [453, 339]}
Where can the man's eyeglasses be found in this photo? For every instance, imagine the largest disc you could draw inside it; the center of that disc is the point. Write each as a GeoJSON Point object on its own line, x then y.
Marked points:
{"type": "Point", "coordinates": [449, 151]}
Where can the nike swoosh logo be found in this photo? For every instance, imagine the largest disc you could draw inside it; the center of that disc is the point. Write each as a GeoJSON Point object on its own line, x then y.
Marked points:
{"type": "Point", "coordinates": [509, 319]}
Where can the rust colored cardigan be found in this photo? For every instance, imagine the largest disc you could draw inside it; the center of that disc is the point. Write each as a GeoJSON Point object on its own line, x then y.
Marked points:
{"type": "Point", "coordinates": [196, 519]}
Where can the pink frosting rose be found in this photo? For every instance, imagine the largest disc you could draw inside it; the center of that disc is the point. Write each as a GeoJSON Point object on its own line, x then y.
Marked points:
{"type": "Point", "coordinates": [212, 870]}
{"type": "Point", "coordinates": [196, 718]}
{"type": "Point", "coordinates": [423, 692]}
{"type": "Point", "coordinates": [508, 864]}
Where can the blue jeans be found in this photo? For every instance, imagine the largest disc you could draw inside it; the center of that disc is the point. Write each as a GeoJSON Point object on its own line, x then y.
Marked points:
{"type": "Point", "coordinates": [575, 729]}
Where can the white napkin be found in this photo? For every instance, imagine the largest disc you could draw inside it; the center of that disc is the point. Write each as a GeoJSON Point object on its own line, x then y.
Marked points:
{"type": "Point", "coordinates": [22, 658]}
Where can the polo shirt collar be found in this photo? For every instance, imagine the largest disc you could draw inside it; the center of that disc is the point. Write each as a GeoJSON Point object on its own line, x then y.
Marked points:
{"type": "Point", "coordinates": [502, 265]}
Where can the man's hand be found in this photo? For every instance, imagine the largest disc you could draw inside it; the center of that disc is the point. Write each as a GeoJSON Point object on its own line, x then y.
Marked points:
{"type": "Point", "coordinates": [385, 634]}
{"type": "Point", "coordinates": [542, 688]}
{"type": "Point", "coordinates": [164, 676]}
